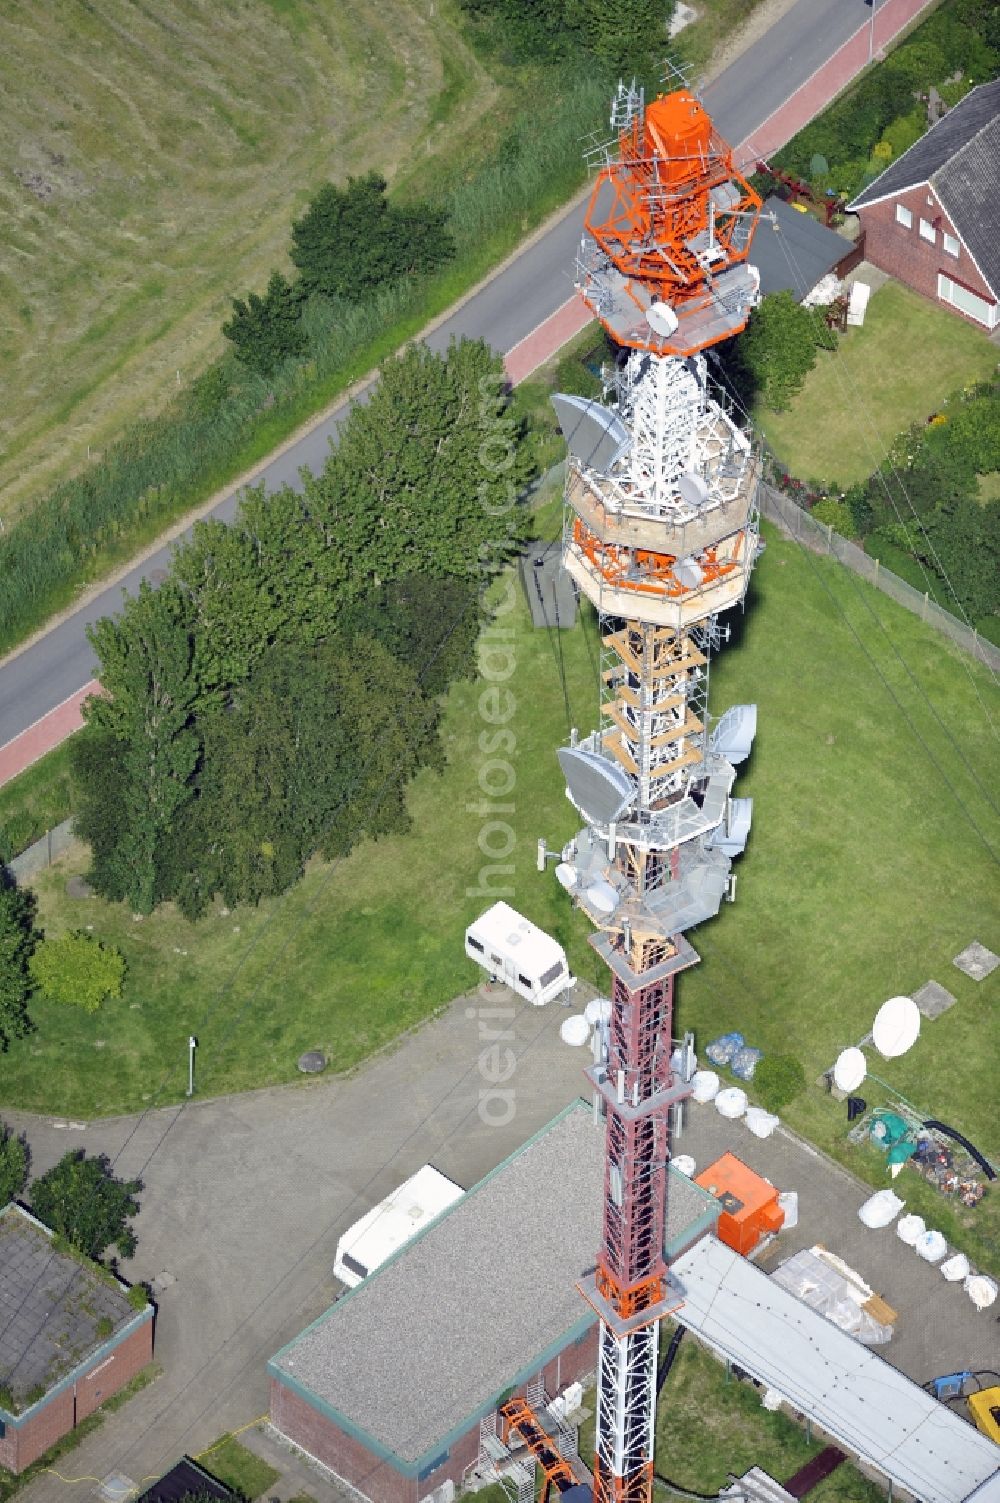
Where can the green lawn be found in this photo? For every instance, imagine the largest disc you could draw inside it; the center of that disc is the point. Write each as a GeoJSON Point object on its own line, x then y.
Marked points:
{"type": "Point", "coordinates": [239, 1468]}
{"type": "Point", "coordinates": [866, 872]}
{"type": "Point", "coordinates": [35, 801]}
{"type": "Point", "coordinates": [896, 370]}
{"type": "Point", "coordinates": [708, 1427]}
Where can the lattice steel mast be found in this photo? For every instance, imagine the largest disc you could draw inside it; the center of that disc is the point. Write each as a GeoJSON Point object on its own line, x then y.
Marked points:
{"type": "Point", "coordinates": [661, 535]}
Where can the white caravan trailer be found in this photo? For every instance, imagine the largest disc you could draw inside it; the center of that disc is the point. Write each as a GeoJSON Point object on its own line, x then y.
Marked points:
{"type": "Point", "coordinates": [518, 953]}
{"type": "Point", "coordinates": [390, 1225]}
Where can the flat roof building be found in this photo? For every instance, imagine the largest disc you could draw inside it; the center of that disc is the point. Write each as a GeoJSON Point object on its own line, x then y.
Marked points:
{"type": "Point", "coordinates": [69, 1338]}
{"type": "Point", "coordinates": [388, 1387]}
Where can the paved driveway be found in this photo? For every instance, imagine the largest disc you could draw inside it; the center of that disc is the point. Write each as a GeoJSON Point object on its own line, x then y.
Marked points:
{"type": "Point", "coordinates": [245, 1198]}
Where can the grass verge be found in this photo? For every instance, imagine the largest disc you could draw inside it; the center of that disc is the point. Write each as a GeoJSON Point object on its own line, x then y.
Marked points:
{"type": "Point", "coordinates": [35, 801]}
{"type": "Point", "coordinates": [896, 370]}
{"type": "Point", "coordinates": [247, 1474]}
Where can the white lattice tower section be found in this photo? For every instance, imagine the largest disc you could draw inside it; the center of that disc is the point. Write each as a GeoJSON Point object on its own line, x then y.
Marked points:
{"type": "Point", "coordinates": [663, 404]}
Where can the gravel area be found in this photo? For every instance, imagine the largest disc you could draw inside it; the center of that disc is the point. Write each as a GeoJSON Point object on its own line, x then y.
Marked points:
{"type": "Point", "coordinates": [447, 1325]}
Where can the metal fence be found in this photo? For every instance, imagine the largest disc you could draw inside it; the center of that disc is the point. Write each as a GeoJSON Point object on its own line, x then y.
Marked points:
{"type": "Point", "coordinates": [821, 538]}
{"type": "Point", "coordinates": [42, 853]}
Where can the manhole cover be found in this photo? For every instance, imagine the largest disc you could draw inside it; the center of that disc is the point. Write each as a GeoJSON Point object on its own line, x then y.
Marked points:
{"type": "Point", "coordinates": [312, 1062]}
{"type": "Point", "coordinates": [116, 1487]}
{"type": "Point", "coordinates": [976, 961]}
{"type": "Point", "coordinates": [932, 999]}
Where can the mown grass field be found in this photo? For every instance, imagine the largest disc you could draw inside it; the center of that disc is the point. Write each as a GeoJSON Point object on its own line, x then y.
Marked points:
{"type": "Point", "coordinates": [153, 159]}
{"type": "Point", "coordinates": [708, 1427]}
{"type": "Point", "coordinates": [896, 370]}
{"type": "Point", "coordinates": [871, 863]}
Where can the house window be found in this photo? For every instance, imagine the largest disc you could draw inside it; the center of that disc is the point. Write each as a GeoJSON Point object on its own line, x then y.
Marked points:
{"type": "Point", "coordinates": [967, 302]}
{"type": "Point", "coordinates": [950, 243]}
{"type": "Point", "coordinates": [927, 231]}
{"type": "Point", "coordinates": [904, 217]}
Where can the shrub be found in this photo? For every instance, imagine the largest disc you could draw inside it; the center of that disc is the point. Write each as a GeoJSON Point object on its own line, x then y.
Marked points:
{"type": "Point", "coordinates": [79, 970]}
{"type": "Point", "coordinates": [778, 1079]}
{"type": "Point", "coordinates": [836, 514]}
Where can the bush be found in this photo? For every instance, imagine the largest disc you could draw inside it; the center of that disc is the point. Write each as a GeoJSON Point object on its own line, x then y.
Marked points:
{"type": "Point", "coordinates": [778, 1079]}
{"type": "Point", "coordinates": [836, 514]}
{"type": "Point", "coordinates": [79, 970]}
{"type": "Point", "coordinates": [575, 378]}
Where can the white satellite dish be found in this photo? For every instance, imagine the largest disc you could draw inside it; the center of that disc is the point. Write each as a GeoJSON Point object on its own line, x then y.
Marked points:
{"type": "Point", "coordinates": [601, 896]}
{"type": "Point", "coordinates": [575, 1030]}
{"type": "Point", "coordinates": [662, 319]}
{"type": "Point", "coordinates": [896, 1027]}
{"type": "Point", "coordinates": [850, 1070]}
{"type": "Point", "coordinates": [598, 1010]}
{"type": "Point", "coordinates": [566, 876]}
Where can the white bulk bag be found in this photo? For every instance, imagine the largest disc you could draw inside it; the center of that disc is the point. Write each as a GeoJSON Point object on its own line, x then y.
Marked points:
{"type": "Point", "coordinates": [788, 1204]}
{"type": "Point", "coordinates": [881, 1208]}
{"type": "Point", "coordinates": [909, 1228]}
{"type": "Point", "coordinates": [931, 1246]}
{"type": "Point", "coordinates": [731, 1103]}
{"type": "Point", "coordinates": [684, 1164]}
{"type": "Point", "coordinates": [955, 1268]}
{"type": "Point", "coordinates": [981, 1290]}
{"type": "Point", "coordinates": [760, 1123]}
{"type": "Point", "coordinates": [704, 1086]}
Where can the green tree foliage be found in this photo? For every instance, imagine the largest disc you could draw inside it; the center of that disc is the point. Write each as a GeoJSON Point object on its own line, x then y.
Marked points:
{"type": "Point", "coordinates": [14, 1160]}
{"type": "Point", "coordinates": [960, 541]}
{"type": "Point", "coordinates": [352, 240]}
{"type": "Point", "coordinates": [274, 698]}
{"type": "Point", "coordinates": [78, 970]}
{"type": "Point", "coordinates": [147, 661]}
{"type": "Point", "coordinates": [625, 37]}
{"type": "Point", "coordinates": [18, 938]}
{"type": "Point", "coordinates": [82, 1200]}
{"type": "Point", "coordinates": [777, 350]}
{"type": "Point", "coordinates": [267, 330]}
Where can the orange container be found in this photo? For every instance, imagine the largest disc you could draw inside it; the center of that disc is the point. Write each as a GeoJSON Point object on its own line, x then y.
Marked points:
{"type": "Point", "coordinates": [750, 1209]}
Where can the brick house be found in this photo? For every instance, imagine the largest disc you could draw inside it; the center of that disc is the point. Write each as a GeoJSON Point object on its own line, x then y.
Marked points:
{"type": "Point", "coordinates": [70, 1338]}
{"type": "Point", "coordinates": [932, 218]}
{"type": "Point", "coordinates": [389, 1388]}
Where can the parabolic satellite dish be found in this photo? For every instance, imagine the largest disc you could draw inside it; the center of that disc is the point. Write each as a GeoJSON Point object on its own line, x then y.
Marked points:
{"type": "Point", "coordinates": [896, 1027]}
{"type": "Point", "coordinates": [575, 1030]}
{"type": "Point", "coordinates": [662, 319]}
{"type": "Point", "coordinates": [598, 1010]}
{"type": "Point", "coordinates": [850, 1070]}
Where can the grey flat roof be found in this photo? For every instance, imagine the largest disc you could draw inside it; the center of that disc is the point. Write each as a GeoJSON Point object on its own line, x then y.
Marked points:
{"type": "Point", "coordinates": [867, 1406]}
{"type": "Point", "coordinates": [426, 1345]}
{"type": "Point", "coordinates": [50, 1306]}
{"type": "Point", "coordinates": [793, 251]}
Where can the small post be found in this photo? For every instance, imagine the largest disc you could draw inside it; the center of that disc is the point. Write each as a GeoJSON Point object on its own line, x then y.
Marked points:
{"type": "Point", "coordinates": [809, 1428]}
{"type": "Point", "coordinates": [829, 536]}
{"type": "Point", "coordinates": [923, 613]}
{"type": "Point", "coordinates": [192, 1046]}
{"type": "Point", "coordinates": [975, 641]}
{"type": "Point", "coordinates": [877, 567]}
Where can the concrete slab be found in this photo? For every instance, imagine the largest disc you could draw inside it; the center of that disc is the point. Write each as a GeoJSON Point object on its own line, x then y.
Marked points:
{"type": "Point", "coordinates": [116, 1488]}
{"type": "Point", "coordinates": [976, 961]}
{"type": "Point", "coordinates": [932, 999]}
{"type": "Point", "coordinates": [938, 1329]}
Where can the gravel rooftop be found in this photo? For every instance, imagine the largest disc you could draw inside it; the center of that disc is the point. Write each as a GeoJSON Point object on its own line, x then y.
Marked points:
{"type": "Point", "coordinates": [447, 1325]}
{"type": "Point", "coordinates": [50, 1306]}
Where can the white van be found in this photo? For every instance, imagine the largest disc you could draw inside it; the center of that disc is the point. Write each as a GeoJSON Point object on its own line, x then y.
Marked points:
{"type": "Point", "coordinates": [392, 1223]}
{"type": "Point", "coordinates": [517, 952]}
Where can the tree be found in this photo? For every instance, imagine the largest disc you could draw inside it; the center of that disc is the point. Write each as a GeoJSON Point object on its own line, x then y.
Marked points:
{"type": "Point", "coordinates": [351, 240]}
{"type": "Point", "coordinates": [426, 475]}
{"type": "Point", "coordinates": [267, 330]}
{"type": "Point", "coordinates": [77, 969]}
{"type": "Point", "coordinates": [14, 1160]}
{"type": "Point", "coordinates": [18, 938]}
{"type": "Point", "coordinates": [82, 1200]}
{"type": "Point", "coordinates": [776, 351]}
{"type": "Point", "coordinates": [626, 36]}
{"type": "Point", "coordinates": [151, 692]}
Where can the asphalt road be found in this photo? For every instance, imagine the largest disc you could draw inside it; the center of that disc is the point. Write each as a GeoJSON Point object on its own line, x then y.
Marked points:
{"type": "Point", "coordinates": [508, 308]}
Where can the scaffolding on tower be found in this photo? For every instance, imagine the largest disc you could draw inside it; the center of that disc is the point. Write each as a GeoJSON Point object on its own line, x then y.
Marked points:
{"type": "Point", "coordinates": [660, 534]}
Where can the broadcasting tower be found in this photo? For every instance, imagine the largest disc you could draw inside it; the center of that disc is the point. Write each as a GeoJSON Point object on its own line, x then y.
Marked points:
{"type": "Point", "coordinates": [660, 535]}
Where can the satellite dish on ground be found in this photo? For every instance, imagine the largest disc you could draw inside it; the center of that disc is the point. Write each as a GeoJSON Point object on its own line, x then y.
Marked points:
{"type": "Point", "coordinates": [662, 319]}
{"type": "Point", "coordinates": [574, 1030]}
{"type": "Point", "coordinates": [850, 1070]}
{"type": "Point", "coordinates": [896, 1027]}
{"type": "Point", "coordinates": [566, 876]}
